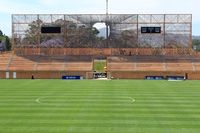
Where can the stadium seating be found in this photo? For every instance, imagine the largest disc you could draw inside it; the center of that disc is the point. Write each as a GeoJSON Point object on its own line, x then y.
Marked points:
{"type": "Point", "coordinates": [19, 63]}
{"type": "Point", "coordinates": [179, 64]}
{"type": "Point", "coordinates": [48, 66]}
{"type": "Point", "coordinates": [196, 64]}
{"type": "Point", "coordinates": [151, 63]}
{"type": "Point", "coordinates": [121, 66]}
{"type": "Point", "coordinates": [146, 66]}
{"type": "Point", "coordinates": [4, 60]}
{"type": "Point", "coordinates": [12, 62]}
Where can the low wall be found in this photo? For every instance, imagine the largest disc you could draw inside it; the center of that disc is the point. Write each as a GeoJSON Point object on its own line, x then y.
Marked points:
{"type": "Point", "coordinates": [40, 74]}
{"type": "Point", "coordinates": [142, 75]}
{"type": "Point", "coordinates": [2, 75]}
{"type": "Point", "coordinates": [194, 75]}
{"type": "Point", "coordinates": [89, 75]}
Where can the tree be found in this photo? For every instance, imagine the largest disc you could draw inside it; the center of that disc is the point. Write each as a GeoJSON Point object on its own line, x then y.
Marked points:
{"type": "Point", "coordinates": [8, 43]}
{"type": "Point", "coordinates": [196, 44]}
{"type": "Point", "coordinates": [1, 33]}
{"type": "Point", "coordinates": [72, 35]}
{"type": "Point", "coordinates": [31, 37]}
{"type": "Point", "coordinates": [5, 40]}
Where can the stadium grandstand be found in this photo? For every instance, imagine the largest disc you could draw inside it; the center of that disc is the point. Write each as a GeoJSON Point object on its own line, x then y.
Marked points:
{"type": "Point", "coordinates": [135, 46]}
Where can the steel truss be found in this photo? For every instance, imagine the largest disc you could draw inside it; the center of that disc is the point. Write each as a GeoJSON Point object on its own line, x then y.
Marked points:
{"type": "Point", "coordinates": [125, 30]}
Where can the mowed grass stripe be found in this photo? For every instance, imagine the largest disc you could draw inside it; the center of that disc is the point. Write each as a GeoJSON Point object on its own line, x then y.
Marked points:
{"type": "Point", "coordinates": [76, 129]}
{"type": "Point", "coordinates": [108, 106]}
{"type": "Point", "coordinates": [98, 98]}
{"type": "Point", "coordinates": [104, 123]}
{"type": "Point", "coordinates": [108, 112]}
{"type": "Point", "coordinates": [99, 106]}
{"type": "Point", "coordinates": [59, 117]}
{"type": "Point", "coordinates": [97, 109]}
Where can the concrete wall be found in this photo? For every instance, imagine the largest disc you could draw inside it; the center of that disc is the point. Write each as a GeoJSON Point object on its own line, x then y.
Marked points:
{"type": "Point", "coordinates": [89, 75]}
{"type": "Point", "coordinates": [142, 75]}
{"type": "Point", "coordinates": [41, 74]}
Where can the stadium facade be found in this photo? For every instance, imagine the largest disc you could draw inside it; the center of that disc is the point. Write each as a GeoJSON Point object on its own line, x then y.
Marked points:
{"type": "Point", "coordinates": [125, 30]}
{"type": "Point", "coordinates": [135, 46]}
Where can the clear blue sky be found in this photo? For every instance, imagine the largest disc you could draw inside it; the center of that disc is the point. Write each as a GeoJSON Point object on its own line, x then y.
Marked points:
{"type": "Point", "coordinates": [8, 7]}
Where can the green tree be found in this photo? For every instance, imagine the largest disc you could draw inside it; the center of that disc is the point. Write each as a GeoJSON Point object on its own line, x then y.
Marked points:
{"type": "Point", "coordinates": [196, 44]}
{"type": "Point", "coordinates": [6, 39]}
{"type": "Point", "coordinates": [31, 37]}
{"type": "Point", "coordinates": [1, 33]}
{"type": "Point", "coordinates": [72, 34]}
{"type": "Point", "coordinates": [8, 43]}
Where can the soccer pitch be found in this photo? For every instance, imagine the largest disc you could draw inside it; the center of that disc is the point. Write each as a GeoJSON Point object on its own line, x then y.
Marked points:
{"type": "Point", "coordinates": [90, 106]}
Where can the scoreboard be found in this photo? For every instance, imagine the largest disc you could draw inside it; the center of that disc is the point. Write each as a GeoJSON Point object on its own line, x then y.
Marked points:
{"type": "Point", "coordinates": [150, 29]}
{"type": "Point", "coordinates": [51, 29]}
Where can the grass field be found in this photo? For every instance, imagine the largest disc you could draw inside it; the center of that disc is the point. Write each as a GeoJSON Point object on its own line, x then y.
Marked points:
{"type": "Point", "coordinates": [99, 65]}
{"type": "Point", "coordinates": [115, 106]}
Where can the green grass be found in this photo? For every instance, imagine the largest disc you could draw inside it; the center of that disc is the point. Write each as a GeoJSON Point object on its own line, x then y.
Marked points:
{"type": "Point", "coordinates": [56, 106]}
{"type": "Point", "coordinates": [99, 65]}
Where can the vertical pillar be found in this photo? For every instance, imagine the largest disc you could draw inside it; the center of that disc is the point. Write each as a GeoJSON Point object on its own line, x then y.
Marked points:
{"type": "Point", "coordinates": [107, 24]}
{"type": "Point", "coordinates": [65, 33]}
{"type": "Point", "coordinates": [190, 43]}
{"type": "Point", "coordinates": [13, 36]}
{"type": "Point", "coordinates": [38, 34]}
{"type": "Point", "coordinates": [164, 33]}
{"type": "Point", "coordinates": [137, 30]}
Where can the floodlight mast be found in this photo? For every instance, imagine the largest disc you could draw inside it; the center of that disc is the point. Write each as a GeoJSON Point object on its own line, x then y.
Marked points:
{"type": "Point", "coordinates": [107, 23]}
{"type": "Point", "coordinates": [106, 7]}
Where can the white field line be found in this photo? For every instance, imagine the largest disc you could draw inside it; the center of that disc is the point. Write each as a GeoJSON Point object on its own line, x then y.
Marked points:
{"type": "Point", "coordinates": [38, 100]}
{"type": "Point", "coordinates": [132, 99]}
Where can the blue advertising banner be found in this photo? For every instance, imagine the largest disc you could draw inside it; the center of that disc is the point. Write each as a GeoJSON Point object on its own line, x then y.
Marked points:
{"type": "Point", "coordinates": [71, 77]}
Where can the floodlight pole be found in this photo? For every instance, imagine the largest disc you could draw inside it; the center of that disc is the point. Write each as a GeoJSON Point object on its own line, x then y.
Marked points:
{"type": "Point", "coordinates": [107, 23]}
{"type": "Point", "coordinates": [106, 7]}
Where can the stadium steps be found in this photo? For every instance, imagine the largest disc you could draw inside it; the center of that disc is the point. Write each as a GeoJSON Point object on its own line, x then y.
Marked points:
{"type": "Point", "coordinates": [58, 62]}
{"type": "Point", "coordinates": [179, 67]}
{"type": "Point", "coordinates": [21, 63]}
{"type": "Point", "coordinates": [146, 66]}
{"type": "Point", "coordinates": [35, 66]}
{"type": "Point", "coordinates": [196, 64]}
{"type": "Point", "coordinates": [63, 63]}
{"type": "Point", "coordinates": [9, 61]}
{"type": "Point", "coordinates": [193, 66]}
{"type": "Point", "coordinates": [124, 66]}
{"type": "Point", "coordinates": [78, 66]}
{"type": "Point", "coordinates": [4, 60]}
{"type": "Point", "coordinates": [145, 63]}
{"type": "Point", "coordinates": [164, 66]}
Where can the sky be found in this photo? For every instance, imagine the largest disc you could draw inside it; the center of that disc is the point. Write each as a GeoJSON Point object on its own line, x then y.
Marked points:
{"type": "Point", "coordinates": [8, 7]}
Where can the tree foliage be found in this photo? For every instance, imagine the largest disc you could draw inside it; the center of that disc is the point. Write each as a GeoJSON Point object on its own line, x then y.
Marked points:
{"type": "Point", "coordinates": [1, 33]}
{"type": "Point", "coordinates": [75, 35]}
{"type": "Point", "coordinates": [72, 35]}
{"type": "Point", "coordinates": [6, 41]}
{"type": "Point", "coordinates": [196, 44]}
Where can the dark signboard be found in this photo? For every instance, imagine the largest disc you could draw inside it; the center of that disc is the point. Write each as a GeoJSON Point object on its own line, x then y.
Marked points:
{"type": "Point", "coordinates": [49, 29]}
{"type": "Point", "coordinates": [150, 29]}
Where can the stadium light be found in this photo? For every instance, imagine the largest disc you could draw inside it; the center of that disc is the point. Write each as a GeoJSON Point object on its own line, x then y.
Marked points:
{"type": "Point", "coordinates": [107, 23]}
{"type": "Point", "coordinates": [106, 7]}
